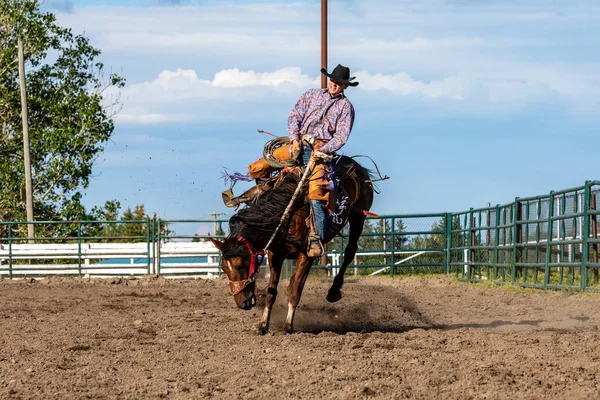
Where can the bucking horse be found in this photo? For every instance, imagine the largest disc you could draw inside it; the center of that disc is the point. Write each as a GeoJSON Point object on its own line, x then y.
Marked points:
{"type": "Point", "coordinates": [259, 222]}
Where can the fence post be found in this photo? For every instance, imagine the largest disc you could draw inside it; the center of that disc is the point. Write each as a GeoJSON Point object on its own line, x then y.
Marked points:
{"type": "Point", "coordinates": [393, 247]}
{"type": "Point", "coordinates": [471, 257]}
{"type": "Point", "coordinates": [448, 244]}
{"type": "Point", "coordinates": [517, 232]}
{"type": "Point", "coordinates": [585, 233]}
{"type": "Point", "coordinates": [550, 230]}
{"type": "Point", "coordinates": [594, 223]}
{"type": "Point", "coordinates": [10, 266]}
{"type": "Point", "coordinates": [79, 247]}
{"type": "Point", "coordinates": [157, 247]}
{"type": "Point", "coordinates": [496, 241]}
{"type": "Point", "coordinates": [149, 240]}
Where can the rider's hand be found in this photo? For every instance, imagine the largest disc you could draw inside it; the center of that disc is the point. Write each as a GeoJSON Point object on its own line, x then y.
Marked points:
{"type": "Point", "coordinates": [295, 146]}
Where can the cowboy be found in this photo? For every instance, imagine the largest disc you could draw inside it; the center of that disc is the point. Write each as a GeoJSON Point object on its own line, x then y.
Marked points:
{"type": "Point", "coordinates": [321, 121]}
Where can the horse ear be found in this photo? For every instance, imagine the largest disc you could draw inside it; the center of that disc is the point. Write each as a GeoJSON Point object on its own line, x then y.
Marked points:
{"type": "Point", "coordinates": [217, 244]}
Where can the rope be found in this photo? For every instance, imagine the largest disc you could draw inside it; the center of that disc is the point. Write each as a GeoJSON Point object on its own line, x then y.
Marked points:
{"type": "Point", "coordinates": [270, 147]}
{"type": "Point", "coordinates": [289, 206]}
{"type": "Point", "coordinates": [381, 178]}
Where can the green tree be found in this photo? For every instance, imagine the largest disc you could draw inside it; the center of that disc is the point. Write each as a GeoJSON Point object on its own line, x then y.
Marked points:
{"type": "Point", "coordinates": [134, 231]}
{"type": "Point", "coordinates": [68, 117]}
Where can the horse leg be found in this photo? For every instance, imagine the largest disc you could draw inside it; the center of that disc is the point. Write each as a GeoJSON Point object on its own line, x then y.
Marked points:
{"type": "Point", "coordinates": [297, 281]}
{"type": "Point", "coordinates": [275, 265]}
{"type": "Point", "coordinates": [357, 222]}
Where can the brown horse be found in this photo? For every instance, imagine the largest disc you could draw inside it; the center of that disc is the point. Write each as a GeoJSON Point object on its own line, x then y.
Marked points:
{"type": "Point", "coordinates": [252, 227]}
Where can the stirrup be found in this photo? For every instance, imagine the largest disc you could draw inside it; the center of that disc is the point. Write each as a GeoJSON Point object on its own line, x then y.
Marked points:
{"type": "Point", "coordinates": [315, 245]}
{"type": "Point", "coordinates": [315, 249]}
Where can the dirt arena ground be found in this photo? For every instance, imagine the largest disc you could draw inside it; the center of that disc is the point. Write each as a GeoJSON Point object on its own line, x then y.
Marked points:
{"type": "Point", "coordinates": [414, 338]}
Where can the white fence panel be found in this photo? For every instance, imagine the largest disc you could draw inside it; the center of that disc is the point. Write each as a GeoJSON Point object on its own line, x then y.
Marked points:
{"type": "Point", "coordinates": [110, 259]}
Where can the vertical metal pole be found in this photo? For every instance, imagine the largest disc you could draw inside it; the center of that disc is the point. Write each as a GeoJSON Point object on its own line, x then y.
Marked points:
{"type": "Point", "coordinates": [157, 249]}
{"type": "Point", "coordinates": [448, 244]}
{"type": "Point", "coordinates": [516, 214]}
{"type": "Point", "coordinates": [537, 240]}
{"type": "Point", "coordinates": [10, 263]}
{"type": "Point", "coordinates": [496, 241]}
{"type": "Point", "coordinates": [585, 234]}
{"type": "Point", "coordinates": [563, 236]}
{"type": "Point", "coordinates": [488, 234]}
{"type": "Point", "coordinates": [471, 244]}
{"type": "Point", "coordinates": [79, 247]}
{"type": "Point", "coordinates": [323, 41]}
{"type": "Point", "coordinates": [574, 232]}
{"type": "Point", "coordinates": [525, 251]}
{"type": "Point", "coordinates": [149, 236]}
{"type": "Point", "coordinates": [393, 247]}
{"type": "Point", "coordinates": [594, 222]}
{"type": "Point", "coordinates": [550, 230]}
{"type": "Point", "coordinates": [26, 158]}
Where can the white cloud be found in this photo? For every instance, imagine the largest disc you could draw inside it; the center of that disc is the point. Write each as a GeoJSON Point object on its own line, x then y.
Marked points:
{"type": "Point", "coordinates": [236, 78]}
{"type": "Point", "coordinates": [183, 96]}
{"type": "Point", "coordinates": [405, 50]}
{"type": "Point", "coordinates": [174, 91]}
{"type": "Point", "coordinates": [403, 85]}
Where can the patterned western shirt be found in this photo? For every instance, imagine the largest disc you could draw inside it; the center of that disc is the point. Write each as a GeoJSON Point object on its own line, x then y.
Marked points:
{"type": "Point", "coordinates": [323, 117]}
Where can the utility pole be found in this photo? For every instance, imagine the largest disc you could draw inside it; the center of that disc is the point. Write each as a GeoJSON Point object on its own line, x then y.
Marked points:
{"type": "Point", "coordinates": [215, 215]}
{"type": "Point", "coordinates": [323, 41]}
{"type": "Point", "coordinates": [25, 117]}
{"type": "Point", "coordinates": [323, 259]}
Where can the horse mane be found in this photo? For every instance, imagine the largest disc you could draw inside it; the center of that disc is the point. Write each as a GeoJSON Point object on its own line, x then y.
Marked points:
{"type": "Point", "coordinates": [257, 221]}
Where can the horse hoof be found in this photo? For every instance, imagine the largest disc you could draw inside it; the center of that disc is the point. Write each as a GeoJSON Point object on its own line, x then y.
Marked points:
{"type": "Point", "coordinates": [288, 328]}
{"type": "Point", "coordinates": [334, 295]}
{"type": "Point", "coordinates": [262, 330]}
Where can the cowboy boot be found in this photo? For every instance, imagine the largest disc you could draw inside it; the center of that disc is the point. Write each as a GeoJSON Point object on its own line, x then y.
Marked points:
{"type": "Point", "coordinates": [317, 236]}
{"type": "Point", "coordinates": [249, 195]}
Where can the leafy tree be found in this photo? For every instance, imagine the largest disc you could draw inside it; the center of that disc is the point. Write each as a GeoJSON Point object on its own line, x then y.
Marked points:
{"type": "Point", "coordinates": [68, 118]}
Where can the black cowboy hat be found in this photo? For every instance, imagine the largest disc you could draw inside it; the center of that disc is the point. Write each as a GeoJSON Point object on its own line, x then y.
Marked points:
{"type": "Point", "coordinates": [340, 74]}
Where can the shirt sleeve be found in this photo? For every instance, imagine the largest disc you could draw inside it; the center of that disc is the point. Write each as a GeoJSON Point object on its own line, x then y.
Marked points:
{"type": "Point", "coordinates": [296, 117]}
{"type": "Point", "coordinates": [342, 130]}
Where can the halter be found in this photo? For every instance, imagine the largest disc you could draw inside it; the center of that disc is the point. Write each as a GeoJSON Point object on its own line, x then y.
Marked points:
{"type": "Point", "coordinates": [256, 259]}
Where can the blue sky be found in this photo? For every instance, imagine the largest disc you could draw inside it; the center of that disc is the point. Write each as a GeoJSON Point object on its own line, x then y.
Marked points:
{"type": "Point", "coordinates": [460, 102]}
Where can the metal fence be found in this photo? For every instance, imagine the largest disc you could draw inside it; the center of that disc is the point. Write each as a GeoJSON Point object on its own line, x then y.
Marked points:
{"type": "Point", "coordinates": [548, 241]}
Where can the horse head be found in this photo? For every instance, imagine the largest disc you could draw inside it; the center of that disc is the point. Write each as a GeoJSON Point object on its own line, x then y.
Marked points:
{"type": "Point", "coordinates": [240, 262]}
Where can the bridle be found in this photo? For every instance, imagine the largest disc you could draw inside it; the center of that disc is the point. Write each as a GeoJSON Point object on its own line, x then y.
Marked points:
{"type": "Point", "coordinates": [256, 259]}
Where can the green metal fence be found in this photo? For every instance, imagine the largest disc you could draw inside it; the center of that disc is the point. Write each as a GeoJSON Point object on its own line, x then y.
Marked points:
{"type": "Point", "coordinates": [547, 241]}
{"type": "Point", "coordinates": [398, 244]}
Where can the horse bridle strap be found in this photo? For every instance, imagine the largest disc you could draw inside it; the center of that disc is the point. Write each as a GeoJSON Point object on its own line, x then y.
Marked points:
{"type": "Point", "coordinates": [237, 286]}
{"type": "Point", "coordinates": [256, 259]}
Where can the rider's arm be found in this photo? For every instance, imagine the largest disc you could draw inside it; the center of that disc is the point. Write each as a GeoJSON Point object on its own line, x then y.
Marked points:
{"type": "Point", "coordinates": [342, 130]}
{"type": "Point", "coordinates": [296, 117]}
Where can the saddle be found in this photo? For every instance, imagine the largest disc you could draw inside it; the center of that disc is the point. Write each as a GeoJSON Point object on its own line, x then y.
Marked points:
{"type": "Point", "coordinates": [344, 196]}
{"type": "Point", "coordinates": [276, 163]}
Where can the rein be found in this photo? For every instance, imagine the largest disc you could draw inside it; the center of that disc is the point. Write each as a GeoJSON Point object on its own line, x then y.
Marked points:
{"type": "Point", "coordinates": [256, 259]}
